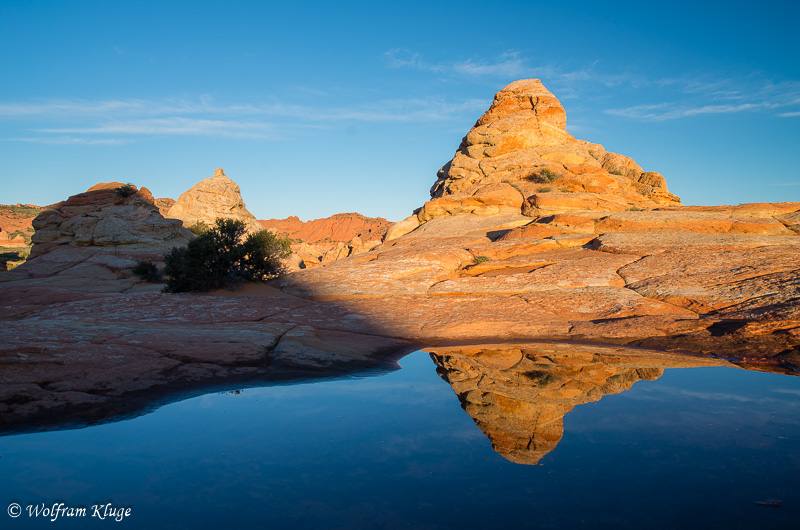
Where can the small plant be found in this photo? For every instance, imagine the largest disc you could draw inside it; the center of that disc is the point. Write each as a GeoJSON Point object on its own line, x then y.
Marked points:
{"type": "Point", "coordinates": [543, 176]}
{"type": "Point", "coordinates": [515, 186]}
{"type": "Point", "coordinates": [147, 271]}
{"type": "Point", "coordinates": [126, 190]}
{"type": "Point", "coordinates": [481, 259]}
{"type": "Point", "coordinates": [615, 171]}
{"type": "Point", "coordinates": [540, 377]}
{"type": "Point", "coordinates": [545, 189]}
{"type": "Point", "coordinates": [198, 228]}
{"type": "Point", "coordinates": [635, 209]}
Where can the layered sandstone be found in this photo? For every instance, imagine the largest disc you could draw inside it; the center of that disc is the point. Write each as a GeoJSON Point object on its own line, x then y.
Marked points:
{"type": "Point", "coordinates": [341, 227]}
{"type": "Point", "coordinates": [519, 159]}
{"type": "Point", "coordinates": [93, 239]}
{"type": "Point", "coordinates": [212, 198]}
{"type": "Point", "coordinates": [15, 224]}
{"type": "Point", "coordinates": [605, 258]}
{"type": "Point", "coordinates": [71, 357]}
{"type": "Point", "coordinates": [332, 238]}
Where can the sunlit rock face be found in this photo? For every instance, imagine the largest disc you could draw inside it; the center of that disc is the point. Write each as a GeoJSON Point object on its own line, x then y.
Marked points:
{"type": "Point", "coordinates": [518, 394]}
{"type": "Point", "coordinates": [330, 239]}
{"type": "Point", "coordinates": [211, 198]}
{"type": "Point", "coordinates": [519, 158]}
{"type": "Point", "coordinates": [91, 240]}
{"type": "Point", "coordinates": [533, 234]}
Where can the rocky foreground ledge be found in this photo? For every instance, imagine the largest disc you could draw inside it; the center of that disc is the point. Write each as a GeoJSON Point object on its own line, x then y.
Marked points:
{"type": "Point", "coordinates": [530, 234]}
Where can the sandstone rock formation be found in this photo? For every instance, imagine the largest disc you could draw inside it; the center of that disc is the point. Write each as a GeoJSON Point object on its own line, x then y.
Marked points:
{"type": "Point", "coordinates": [341, 227]}
{"type": "Point", "coordinates": [519, 159]}
{"type": "Point", "coordinates": [92, 239]}
{"type": "Point", "coordinates": [16, 240]}
{"type": "Point", "coordinates": [164, 204]}
{"type": "Point", "coordinates": [518, 394]}
{"type": "Point", "coordinates": [217, 196]}
{"type": "Point", "coordinates": [332, 238]}
{"type": "Point", "coordinates": [611, 259]}
{"type": "Point", "coordinates": [15, 223]}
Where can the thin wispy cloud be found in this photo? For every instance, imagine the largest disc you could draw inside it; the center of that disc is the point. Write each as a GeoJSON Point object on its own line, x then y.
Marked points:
{"type": "Point", "coordinates": [689, 95]}
{"type": "Point", "coordinates": [722, 96]}
{"type": "Point", "coordinates": [69, 140]}
{"type": "Point", "coordinates": [511, 64]}
{"type": "Point", "coordinates": [507, 65]}
{"type": "Point", "coordinates": [111, 122]}
{"type": "Point", "coordinates": [176, 126]}
{"type": "Point", "coordinates": [666, 111]}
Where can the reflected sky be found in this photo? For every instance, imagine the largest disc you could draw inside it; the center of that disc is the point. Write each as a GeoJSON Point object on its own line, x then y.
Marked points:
{"type": "Point", "coordinates": [696, 448]}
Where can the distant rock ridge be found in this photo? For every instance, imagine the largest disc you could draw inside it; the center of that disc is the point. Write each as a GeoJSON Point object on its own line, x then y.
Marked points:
{"type": "Point", "coordinates": [211, 198]}
{"type": "Point", "coordinates": [332, 238]}
{"type": "Point", "coordinates": [15, 223]}
{"type": "Point", "coordinates": [519, 158]}
{"type": "Point", "coordinates": [340, 227]}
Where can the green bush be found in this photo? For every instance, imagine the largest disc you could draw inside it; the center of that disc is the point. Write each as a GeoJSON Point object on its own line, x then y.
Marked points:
{"type": "Point", "coordinates": [223, 256]}
{"type": "Point", "coordinates": [616, 171]}
{"type": "Point", "coordinates": [482, 259]}
{"type": "Point", "coordinates": [126, 190]}
{"type": "Point", "coordinates": [545, 189]}
{"type": "Point", "coordinates": [147, 271]}
{"type": "Point", "coordinates": [543, 176]}
{"type": "Point", "coordinates": [198, 228]}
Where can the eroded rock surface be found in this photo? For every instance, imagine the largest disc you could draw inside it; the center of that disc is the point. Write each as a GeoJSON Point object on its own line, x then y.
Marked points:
{"type": "Point", "coordinates": [71, 358]}
{"type": "Point", "coordinates": [332, 238]}
{"type": "Point", "coordinates": [93, 239]}
{"type": "Point", "coordinates": [519, 158]}
{"type": "Point", "coordinates": [606, 254]}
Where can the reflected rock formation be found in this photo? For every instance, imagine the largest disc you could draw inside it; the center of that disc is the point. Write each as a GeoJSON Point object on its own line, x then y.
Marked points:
{"type": "Point", "coordinates": [518, 394]}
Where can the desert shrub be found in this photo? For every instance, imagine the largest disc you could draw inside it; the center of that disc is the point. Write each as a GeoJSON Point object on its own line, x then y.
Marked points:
{"type": "Point", "coordinates": [635, 209]}
{"type": "Point", "coordinates": [543, 176]}
{"type": "Point", "coordinates": [147, 271]}
{"type": "Point", "coordinates": [539, 377]}
{"type": "Point", "coordinates": [545, 189]}
{"type": "Point", "coordinates": [198, 228]}
{"type": "Point", "coordinates": [615, 171]}
{"type": "Point", "coordinates": [482, 259]}
{"type": "Point", "coordinates": [126, 190]}
{"type": "Point", "coordinates": [223, 256]}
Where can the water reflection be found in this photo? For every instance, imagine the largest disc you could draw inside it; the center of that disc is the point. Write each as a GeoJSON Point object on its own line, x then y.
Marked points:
{"type": "Point", "coordinates": [518, 394]}
{"type": "Point", "coordinates": [698, 448]}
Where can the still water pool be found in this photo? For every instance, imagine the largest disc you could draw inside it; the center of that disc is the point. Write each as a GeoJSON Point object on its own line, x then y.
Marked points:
{"type": "Point", "coordinates": [695, 448]}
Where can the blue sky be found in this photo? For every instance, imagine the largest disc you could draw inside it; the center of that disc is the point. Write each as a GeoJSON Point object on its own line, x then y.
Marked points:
{"type": "Point", "coordinates": [316, 108]}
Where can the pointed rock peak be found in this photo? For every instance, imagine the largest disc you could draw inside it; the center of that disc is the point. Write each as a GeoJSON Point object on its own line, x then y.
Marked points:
{"type": "Point", "coordinates": [519, 160]}
{"type": "Point", "coordinates": [526, 98]}
{"type": "Point", "coordinates": [211, 198]}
